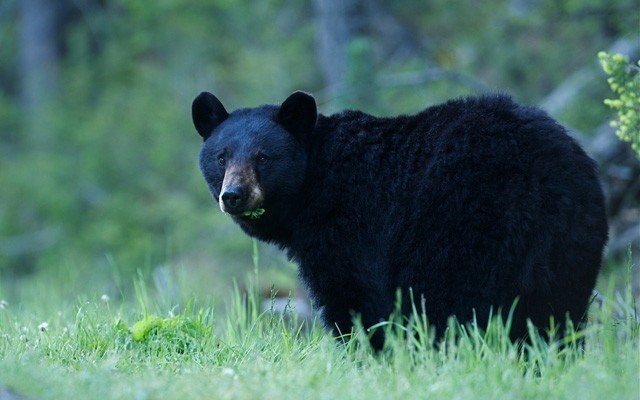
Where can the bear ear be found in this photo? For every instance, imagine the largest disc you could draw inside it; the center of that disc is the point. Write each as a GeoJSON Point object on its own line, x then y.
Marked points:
{"type": "Point", "coordinates": [207, 112]}
{"type": "Point", "coordinates": [298, 114]}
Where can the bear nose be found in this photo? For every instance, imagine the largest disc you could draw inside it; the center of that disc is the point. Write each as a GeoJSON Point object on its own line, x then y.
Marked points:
{"type": "Point", "coordinates": [233, 198]}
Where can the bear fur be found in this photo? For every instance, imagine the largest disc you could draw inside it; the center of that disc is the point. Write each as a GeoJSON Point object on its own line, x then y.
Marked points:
{"type": "Point", "coordinates": [471, 204]}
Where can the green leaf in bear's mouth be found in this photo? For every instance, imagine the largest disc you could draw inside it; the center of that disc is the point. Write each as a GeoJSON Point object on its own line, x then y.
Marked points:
{"type": "Point", "coordinates": [254, 214]}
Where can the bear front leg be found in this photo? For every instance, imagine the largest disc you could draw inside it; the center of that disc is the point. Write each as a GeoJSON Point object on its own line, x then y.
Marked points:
{"type": "Point", "coordinates": [351, 279]}
{"type": "Point", "coordinates": [339, 314]}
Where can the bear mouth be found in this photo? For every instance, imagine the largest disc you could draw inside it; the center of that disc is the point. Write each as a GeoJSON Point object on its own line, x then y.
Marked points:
{"type": "Point", "coordinates": [248, 214]}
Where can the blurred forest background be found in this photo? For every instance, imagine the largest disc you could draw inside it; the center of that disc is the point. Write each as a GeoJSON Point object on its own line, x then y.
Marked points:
{"type": "Point", "coordinates": [98, 156]}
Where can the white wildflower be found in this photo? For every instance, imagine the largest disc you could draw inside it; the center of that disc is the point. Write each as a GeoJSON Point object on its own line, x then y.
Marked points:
{"type": "Point", "coordinates": [228, 372]}
{"type": "Point", "coordinates": [3, 304]}
{"type": "Point", "coordinates": [105, 298]}
{"type": "Point", "coordinates": [43, 327]}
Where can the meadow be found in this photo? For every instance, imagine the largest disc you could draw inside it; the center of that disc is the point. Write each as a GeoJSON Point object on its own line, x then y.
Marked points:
{"type": "Point", "coordinates": [159, 344]}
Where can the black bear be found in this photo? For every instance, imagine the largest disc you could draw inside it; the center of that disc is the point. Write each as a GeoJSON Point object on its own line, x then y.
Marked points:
{"type": "Point", "coordinates": [468, 205]}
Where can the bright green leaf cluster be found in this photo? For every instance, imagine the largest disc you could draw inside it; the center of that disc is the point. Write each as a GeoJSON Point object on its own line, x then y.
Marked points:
{"type": "Point", "coordinates": [143, 328]}
{"type": "Point", "coordinates": [624, 79]}
{"type": "Point", "coordinates": [255, 214]}
{"type": "Point", "coordinates": [177, 333]}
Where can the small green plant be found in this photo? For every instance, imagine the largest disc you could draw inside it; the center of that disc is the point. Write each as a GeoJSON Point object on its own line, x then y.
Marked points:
{"type": "Point", "coordinates": [255, 214]}
{"type": "Point", "coordinates": [153, 325]}
{"type": "Point", "coordinates": [624, 80]}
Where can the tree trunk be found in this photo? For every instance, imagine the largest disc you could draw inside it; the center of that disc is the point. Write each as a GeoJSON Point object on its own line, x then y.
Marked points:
{"type": "Point", "coordinates": [39, 56]}
{"type": "Point", "coordinates": [338, 23]}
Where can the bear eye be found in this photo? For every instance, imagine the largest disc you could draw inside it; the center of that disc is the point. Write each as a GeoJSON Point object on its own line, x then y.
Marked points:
{"type": "Point", "coordinates": [221, 160]}
{"type": "Point", "coordinates": [262, 158]}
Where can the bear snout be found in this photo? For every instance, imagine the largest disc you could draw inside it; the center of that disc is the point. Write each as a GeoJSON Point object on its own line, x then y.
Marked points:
{"type": "Point", "coordinates": [233, 199]}
{"type": "Point", "coordinates": [238, 199]}
{"type": "Point", "coordinates": [240, 191]}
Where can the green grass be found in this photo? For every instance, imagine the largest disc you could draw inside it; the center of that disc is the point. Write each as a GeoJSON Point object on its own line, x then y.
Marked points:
{"type": "Point", "coordinates": [147, 347]}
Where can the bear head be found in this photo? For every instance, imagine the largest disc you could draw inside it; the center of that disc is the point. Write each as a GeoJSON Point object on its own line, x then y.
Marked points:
{"type": "Point", "coordinates": [254, 159]}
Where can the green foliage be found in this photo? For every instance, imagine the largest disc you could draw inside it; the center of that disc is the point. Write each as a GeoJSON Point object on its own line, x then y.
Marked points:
{"type": "Point", "coordinates": [624, 79]}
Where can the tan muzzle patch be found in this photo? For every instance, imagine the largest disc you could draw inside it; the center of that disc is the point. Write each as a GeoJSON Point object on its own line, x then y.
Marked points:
{"type": "Point", "coordinates": [244, 177]}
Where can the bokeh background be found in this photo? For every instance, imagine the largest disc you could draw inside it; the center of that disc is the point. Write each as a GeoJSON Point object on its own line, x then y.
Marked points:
{"type": "Point", "coordinates": [98, 157]}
